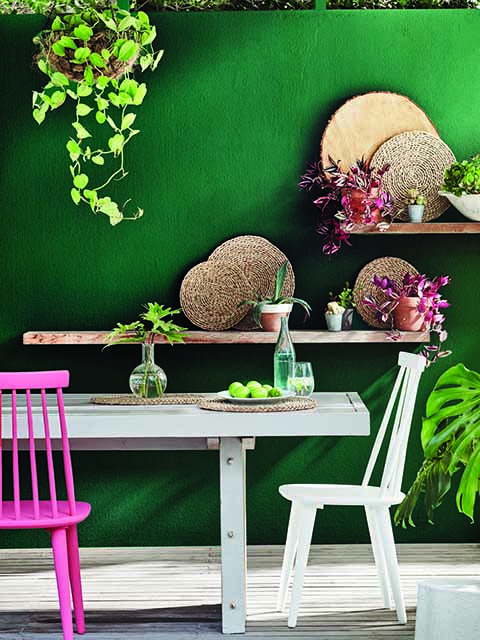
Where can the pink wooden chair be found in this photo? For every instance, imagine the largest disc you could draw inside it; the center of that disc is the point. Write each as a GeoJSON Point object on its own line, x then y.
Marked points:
{"type": "Point", "coordinates": [57, 516]}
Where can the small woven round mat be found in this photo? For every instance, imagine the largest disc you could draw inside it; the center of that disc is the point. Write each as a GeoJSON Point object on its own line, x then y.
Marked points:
{"type": "Point", "coordinates": [259, 260]}
{"type": "Point", "coordinates": [291, 404]}
{"type": "Point", "coordinates": [211, 293]}
{"type": "Point", "coordinates": [167, 398]}
{"type": "Point", "coordinates": [417, 161]}
{"type": "Point", "coordinates": [393, 268]}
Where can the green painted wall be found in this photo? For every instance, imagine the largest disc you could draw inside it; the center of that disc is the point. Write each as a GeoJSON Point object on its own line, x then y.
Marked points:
{"type": "Point", "coordinates": [236, 108]}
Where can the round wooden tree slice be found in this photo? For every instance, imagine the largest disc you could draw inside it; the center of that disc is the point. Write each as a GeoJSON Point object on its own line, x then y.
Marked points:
{"type": "Point", "coordinates": [417, 161]}
{"type": "Point", "coordinates": [365, 122]}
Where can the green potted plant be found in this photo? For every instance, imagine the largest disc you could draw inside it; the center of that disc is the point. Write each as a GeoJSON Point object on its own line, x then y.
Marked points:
{"type": "Point", "coordinates": [345, 300]}
{"type": "Point", "coordinates": [461, 185]}
{"type": "Point", "coordinates": [450, 441]}
{"type": "Point", "coordinates": [89, 54]}
{"type": "Point", "coordinates": [415, 202]}
{"type": "Point", "coordinates": [268, 311]}
{"type": "Point", "coordinates": [148, 380]}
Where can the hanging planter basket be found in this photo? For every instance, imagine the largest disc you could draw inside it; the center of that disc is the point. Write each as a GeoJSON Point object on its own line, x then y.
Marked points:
{"type": "Point", "coordinates": [75, 71]}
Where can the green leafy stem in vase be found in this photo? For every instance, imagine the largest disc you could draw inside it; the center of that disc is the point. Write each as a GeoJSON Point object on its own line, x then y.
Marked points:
{"type": "Point", "coordinates": [137, 332]}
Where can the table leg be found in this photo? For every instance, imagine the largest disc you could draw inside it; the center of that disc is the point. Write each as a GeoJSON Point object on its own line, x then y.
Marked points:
{"type": "Point", "coordinates": [233, 535]}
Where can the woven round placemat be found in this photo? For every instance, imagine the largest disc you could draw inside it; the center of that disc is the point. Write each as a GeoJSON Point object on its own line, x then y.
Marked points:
{"type": "Point", "coordinates": [291, 404]}
{"type": "Point", "coordinates": [365, 122]}
{"type": "Point", "coordinates": [393, 268]}
{"type": "Point", "coordinates": [259, 260]}
{"type": "Point", "coordinates": [417, 160]}
{"type": "Point", "coordinates": [211, 293]}
{"type": "Point", "coordinates": [167, 398]}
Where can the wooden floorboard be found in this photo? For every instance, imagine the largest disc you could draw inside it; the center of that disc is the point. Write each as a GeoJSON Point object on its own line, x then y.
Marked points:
{"type": "Point", "coordinates": [174, 593]}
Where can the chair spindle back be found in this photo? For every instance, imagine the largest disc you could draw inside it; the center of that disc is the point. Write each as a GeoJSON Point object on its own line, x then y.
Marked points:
{"type": "Point", "coordinates": [403, 395]}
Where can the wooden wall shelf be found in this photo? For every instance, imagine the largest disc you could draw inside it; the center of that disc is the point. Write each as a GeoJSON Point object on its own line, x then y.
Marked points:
{"type": "Point", "coordinates": [421, 227]}
{"type": "Point", "coordinates": [228, 337]}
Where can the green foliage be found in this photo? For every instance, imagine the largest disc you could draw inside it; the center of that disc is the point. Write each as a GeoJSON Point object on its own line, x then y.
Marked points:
{"type": "Point", "coordinates": [345, 297]}
{"type": "Point", "coordinates": [89, 56]}
{"type": "Point", "coordinates": [463, 177]}
{"type": "Point", "coordinates": [260, 303]}
{"type": "Point", "coordinates": [451, 442]}
{"type": "Point", "coordinates": [156, 315]}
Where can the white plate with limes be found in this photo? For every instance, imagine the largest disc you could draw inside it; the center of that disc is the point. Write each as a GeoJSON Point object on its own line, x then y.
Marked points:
{"type": "Point", "coordinates": [225, 395]}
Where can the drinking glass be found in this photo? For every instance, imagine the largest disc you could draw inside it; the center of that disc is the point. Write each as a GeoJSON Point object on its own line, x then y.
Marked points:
{"type": "Point", "coordinates": [302, 381]}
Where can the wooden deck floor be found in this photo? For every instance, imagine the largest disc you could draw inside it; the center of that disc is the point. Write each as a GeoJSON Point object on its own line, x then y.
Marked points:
{"type": "Point", "coordinates": [173, 593]}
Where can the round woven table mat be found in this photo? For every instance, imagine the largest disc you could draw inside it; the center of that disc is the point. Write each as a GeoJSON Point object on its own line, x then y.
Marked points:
{"type": "Point", "coordinates": [259, 260]}
{"type": "Point", "coordinates": [417, 160]}
{"type": "Point", "coordinates": [211, 293]}
{"type": "Point", "coordinates": [290, 404]}
{"type": "Point", "coordinates": [365, 122]}
{"type": "Point", "coordinates": [393, 268]}
{"type": "Point", "coordinates": [167, 398]}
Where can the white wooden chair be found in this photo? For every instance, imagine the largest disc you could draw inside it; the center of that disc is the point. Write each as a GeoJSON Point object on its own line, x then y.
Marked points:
{"type": "Point", "coordinates": [307, 498]}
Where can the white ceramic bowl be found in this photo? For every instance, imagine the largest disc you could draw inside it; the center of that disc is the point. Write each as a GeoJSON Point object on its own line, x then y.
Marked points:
{"type": "Point", "coordinates": [468, 204]}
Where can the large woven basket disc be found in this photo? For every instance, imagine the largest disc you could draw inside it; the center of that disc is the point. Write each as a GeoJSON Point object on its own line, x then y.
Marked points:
{"type": "Point", "coordinates": [260, 260]}
{"type": "Point", "coordinates": [417, 160]}
{"type": "Point", "coordinates": [393, 268]}
{"type": "Point", "coordinates": [365, 122]}
{"type": "Point", "coordinates": [211, 293]}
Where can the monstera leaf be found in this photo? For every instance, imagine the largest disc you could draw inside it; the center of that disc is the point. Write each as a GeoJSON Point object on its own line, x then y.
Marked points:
{"type": "Point", "coordinates": [450, 441]}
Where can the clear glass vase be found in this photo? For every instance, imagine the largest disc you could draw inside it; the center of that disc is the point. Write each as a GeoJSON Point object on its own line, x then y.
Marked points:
{"type": "Point", "coordinates": [148, 380]}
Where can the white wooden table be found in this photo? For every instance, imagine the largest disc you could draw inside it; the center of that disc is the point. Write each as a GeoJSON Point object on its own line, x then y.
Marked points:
{"type": "Point", "coordinates": [113, 427]}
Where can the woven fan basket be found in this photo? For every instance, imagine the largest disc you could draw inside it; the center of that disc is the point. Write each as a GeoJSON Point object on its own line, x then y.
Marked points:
{"type": "Point", "coordinates": [211, 293]}
{"type": "Point", "coordinates": [259, 260]}
{"type": "Point", "coordinates": [417, 160]}
{"type": "Point", "coordinates": [393, 268]}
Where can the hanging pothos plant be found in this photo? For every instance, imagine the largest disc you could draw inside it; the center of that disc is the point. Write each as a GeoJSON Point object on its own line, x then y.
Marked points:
{"type": "Point", "coordinates": [89, 55]}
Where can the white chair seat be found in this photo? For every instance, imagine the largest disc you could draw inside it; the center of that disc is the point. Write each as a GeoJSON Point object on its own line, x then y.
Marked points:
{"type": "Point", "coordinates": [344, 494]}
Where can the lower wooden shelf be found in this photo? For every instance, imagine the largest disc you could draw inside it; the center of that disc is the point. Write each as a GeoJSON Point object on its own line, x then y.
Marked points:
{"type": "Point", "coordinates": [229, 337]}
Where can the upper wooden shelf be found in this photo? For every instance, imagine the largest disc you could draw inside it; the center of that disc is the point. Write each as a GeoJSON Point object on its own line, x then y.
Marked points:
{"type": "Point", "coordinates": [229, 337]}
{"type": "Point", "coordinates": [421, 227]}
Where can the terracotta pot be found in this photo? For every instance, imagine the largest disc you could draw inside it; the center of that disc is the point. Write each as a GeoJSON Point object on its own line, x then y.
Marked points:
{"type": "Point", "coordinates": [358, 207]}
{"type": "Point", "coordinates": [406, 315]}
{"type": "Point", "coordinates": [271, 316]}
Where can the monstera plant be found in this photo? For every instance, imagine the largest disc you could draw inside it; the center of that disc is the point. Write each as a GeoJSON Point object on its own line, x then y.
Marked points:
{"type": "Point", "coordinates": [89, 54]}
{"type": "Point", "coordinates": [451, 443]}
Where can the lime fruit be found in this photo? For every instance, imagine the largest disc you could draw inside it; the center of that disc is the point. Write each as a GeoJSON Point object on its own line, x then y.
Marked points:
{"type": "Point", "coordinates": [233, 386]}
{"type": "Point", "coordinates": [259, 392]}
{"type": "Point", "coordinates": [267, 386]}
{"type": "Point", "coordinates": [240, 392]}
{"type": "Point", "coordinates": [253, 384]}
{"type": "Point", "coordinates": [275, 392]}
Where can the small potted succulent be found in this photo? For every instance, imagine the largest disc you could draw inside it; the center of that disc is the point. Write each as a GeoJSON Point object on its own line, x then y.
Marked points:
{"type": "Point", "coordinates": [357, 196]}
{"type": "Point", "coordinates": [334, 315]}
{"type": "Point", "coordinates": [461, 185]}
{"type": "Point", "coordinates": [414, 305]}
{"type": "Point", "coordinates": [415, 202]}
{"type": "Point", "coordinates": [345, 300]}
{"type": "Point", "coordinates": [268, 312]}
{"type": "Point", "coordinates": [148, 380]}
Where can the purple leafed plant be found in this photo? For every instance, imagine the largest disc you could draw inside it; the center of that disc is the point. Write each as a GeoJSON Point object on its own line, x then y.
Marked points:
{"type": "Point", "coordinates": [430, 306]}
{"type": "Point", "coordinates": [357, 195]}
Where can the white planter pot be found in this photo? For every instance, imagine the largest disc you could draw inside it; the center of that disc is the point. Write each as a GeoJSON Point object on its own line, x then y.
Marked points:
{"type": "Point", "coordinates": [415, 212]}
{"type": "Point", "coordinates": [334, 321]}
{"type": "Point", "coordinates": [468, 204]}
